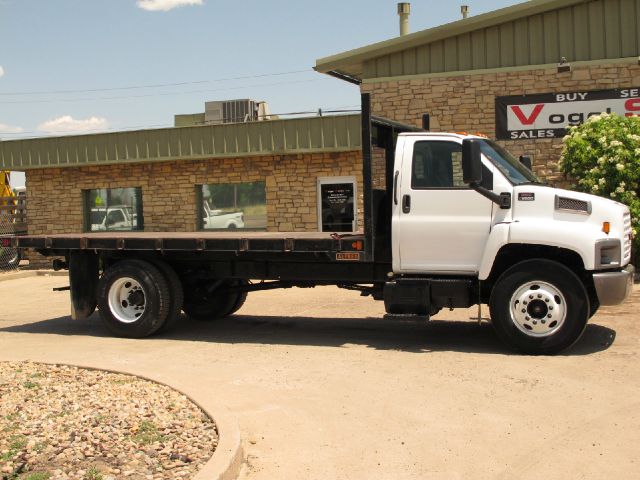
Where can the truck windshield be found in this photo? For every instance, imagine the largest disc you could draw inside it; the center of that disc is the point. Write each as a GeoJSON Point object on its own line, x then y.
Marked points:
{"type": "Point", "coordinates": [507, 164]}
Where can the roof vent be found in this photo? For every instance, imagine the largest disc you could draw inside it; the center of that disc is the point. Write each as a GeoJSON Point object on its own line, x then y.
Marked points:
{"type": "Point", "coordinates": [404, 9]}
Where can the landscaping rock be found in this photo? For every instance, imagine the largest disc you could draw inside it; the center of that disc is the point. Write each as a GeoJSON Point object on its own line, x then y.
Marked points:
{"type": "Point", "coordinates": [69, 423]}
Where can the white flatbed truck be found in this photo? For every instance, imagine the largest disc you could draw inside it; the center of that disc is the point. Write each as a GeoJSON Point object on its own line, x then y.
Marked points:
{"type": "Point", "coordinates": [461, 223]}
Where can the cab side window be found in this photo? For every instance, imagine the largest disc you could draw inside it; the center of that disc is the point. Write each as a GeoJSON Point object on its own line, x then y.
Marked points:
{"type": "Point", "coordinates": [437, 165]}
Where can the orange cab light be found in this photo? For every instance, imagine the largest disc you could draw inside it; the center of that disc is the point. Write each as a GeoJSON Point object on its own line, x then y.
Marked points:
{"type": "Point", "coordinates": [357, 245]}
{"type": "Point", "coordinates": [606, 227]}
{"type": "Point", "coordinates": [481, 135]}
{"type": "Point", "coordinates": [462, 133]}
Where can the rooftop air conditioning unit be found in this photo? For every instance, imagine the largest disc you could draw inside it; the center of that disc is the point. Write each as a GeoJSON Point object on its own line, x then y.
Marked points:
{"type": "Point", "coordinates": [235, 111]}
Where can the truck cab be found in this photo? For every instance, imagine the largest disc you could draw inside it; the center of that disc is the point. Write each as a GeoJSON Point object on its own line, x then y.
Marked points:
{"type": "Point", "coordinates": [464, 207]}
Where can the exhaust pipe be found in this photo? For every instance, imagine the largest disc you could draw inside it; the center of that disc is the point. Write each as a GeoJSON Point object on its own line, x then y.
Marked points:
{"type": "Point", "coordinates": [404, 9]}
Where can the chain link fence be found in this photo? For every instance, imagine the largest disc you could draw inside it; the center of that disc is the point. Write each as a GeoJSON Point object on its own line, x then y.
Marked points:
{"type": "Point", "coordinates": [13, 218]}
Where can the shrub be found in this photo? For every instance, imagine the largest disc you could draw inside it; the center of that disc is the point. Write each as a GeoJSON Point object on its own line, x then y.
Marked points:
{"type": "Point", "coordinates": [602, 157]}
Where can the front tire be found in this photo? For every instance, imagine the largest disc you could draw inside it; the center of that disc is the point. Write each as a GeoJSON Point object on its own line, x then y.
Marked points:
{"type": "Point", "coordinates": [133, 298]}
{"type": "Point", "coordinates": [539, 307]}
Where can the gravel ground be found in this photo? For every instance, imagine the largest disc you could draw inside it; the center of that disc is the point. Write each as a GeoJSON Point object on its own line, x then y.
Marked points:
{"type": "Point", "coordinates": [61, 422]}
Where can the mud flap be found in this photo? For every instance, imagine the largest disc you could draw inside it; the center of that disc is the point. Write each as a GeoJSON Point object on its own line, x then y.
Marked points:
{"type": "Point", "coordinates": [83, 279]}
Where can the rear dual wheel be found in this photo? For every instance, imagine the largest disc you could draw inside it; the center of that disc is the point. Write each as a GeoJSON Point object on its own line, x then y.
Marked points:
{"type": "Point", "coordinates": [203, 305]}
{"type": "Point", "coordinates": [137, 298]}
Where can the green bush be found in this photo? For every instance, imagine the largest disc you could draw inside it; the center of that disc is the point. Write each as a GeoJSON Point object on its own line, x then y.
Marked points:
{"type": "Point", "coordinates": [602, 157]}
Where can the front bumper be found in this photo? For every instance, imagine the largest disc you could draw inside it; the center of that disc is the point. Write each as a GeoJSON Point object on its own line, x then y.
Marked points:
{"type": "Point", "coordinates": [613, 288]}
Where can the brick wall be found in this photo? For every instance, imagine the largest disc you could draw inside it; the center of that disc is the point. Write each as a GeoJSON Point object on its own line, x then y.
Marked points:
{"type": "Point", "coordinates": [55, 196]}
{"type": "Point", "coordinates": [467, 103]}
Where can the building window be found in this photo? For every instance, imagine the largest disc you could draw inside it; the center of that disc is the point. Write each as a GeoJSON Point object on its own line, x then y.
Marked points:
{"type": "Point", "coordinates": [233, 206]}
{"type": "Point", "coordinates": [113, 209]}
{"type": "Point", "coordinates": [336, 206]}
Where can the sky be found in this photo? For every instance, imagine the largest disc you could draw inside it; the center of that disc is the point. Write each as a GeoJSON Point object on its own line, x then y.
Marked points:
{"type": "Point", "coordinates": [86, 66]}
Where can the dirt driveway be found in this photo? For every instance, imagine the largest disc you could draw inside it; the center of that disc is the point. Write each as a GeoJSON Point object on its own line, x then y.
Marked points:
{"type": "Point", "coordinates": [324, 388]}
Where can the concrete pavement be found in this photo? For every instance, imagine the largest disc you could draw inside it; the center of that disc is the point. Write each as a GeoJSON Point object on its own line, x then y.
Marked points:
{"type": "Point", "coordinates": [324, 387]}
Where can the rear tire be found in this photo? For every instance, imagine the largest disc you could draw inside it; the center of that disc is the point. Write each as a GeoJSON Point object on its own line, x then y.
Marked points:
{"type": "Point", "coordinates": [205, 307]}
{"type": "Point", "coordinates": [242, 297]}
{"type": "Point", "coordinates": [176, 293]}
{"type": "Point", "coordinates": [539, 307]}
{"type": "Point", "coordinates": [595, 306]}
{"type": "Point", "coordinates": [133, 298]}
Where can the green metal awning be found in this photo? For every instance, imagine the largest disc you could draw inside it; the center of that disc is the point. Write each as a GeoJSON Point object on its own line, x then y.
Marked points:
{"type": "Point", "coordinates": [532, 33]}
{"type": "Point", "coordinates": [275, 137]}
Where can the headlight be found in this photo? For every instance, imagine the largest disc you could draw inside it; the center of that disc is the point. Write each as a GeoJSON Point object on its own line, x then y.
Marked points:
{"type": "Point", "coordinates": [608, 253]}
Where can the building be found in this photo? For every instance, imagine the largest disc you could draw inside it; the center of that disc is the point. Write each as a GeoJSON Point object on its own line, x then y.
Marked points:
{"type": "Point", "coordinates": [279, 175]}
{"type": "Point", "coordinates": [521, 74]}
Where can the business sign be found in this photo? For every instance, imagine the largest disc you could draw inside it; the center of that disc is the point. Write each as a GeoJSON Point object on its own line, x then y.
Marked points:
{"type": "Point", "coordinates": [549, 115]}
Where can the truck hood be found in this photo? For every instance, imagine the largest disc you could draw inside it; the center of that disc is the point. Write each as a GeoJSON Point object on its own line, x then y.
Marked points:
{"type": "Point", "coordinates": [573, 209]}
{"type": "Point", "coordinates": [532, 199]}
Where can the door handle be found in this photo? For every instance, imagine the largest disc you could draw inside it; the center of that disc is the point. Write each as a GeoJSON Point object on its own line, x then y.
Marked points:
{"type": "Point", "coordinates": [395, 188]}
{"type": "Point", "coordinates": [406, 203]}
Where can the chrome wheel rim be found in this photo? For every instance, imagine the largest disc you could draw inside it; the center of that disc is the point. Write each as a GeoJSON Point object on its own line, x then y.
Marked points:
{"type": "Point", "coordinates": [538, 309]}
{"type": "Point", "coordinates": [127, 300]}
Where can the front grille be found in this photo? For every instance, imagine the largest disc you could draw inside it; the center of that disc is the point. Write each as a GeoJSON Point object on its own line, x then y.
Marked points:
{"type": "Point", "coordinates": [573, 204]}
{"type": "Point", "coordinates": [626, 244]}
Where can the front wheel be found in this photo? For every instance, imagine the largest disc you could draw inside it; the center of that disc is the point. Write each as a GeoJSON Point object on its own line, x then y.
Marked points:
{"type": "Point", "coordinates": [539, 307]}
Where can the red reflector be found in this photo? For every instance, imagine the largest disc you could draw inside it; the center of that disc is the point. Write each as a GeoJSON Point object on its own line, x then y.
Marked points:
{"type": "Point", "coordinates": [6, 242]}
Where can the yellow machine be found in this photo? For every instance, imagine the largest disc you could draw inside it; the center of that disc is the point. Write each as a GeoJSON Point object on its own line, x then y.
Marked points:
{"type": "Point", "coordinates": [9, 257]}
{"type": "Point", "coordinates": [5, 187]}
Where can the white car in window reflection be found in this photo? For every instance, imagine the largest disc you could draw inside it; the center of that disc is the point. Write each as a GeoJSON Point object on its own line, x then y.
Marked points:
{"type": "Point", "coordinates": [215, 218]}
{"type": "Point", "coordinates": [116, 217]}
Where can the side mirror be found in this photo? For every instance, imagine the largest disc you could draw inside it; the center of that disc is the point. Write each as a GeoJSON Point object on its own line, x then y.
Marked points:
{"type": "Point", "coordinates": [526, 161]}
{"type": "Point", "coordinates": [471, 162]}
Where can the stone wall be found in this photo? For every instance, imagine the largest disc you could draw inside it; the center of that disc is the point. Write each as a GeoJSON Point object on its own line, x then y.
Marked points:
{"type": "Point", "coordinates": [467, 103]}
{"type": "Point", "coordinates": [55, 195]}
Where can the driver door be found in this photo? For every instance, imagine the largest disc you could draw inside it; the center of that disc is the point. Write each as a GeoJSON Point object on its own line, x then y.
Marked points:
{"type": "Point", "coordinates": [440, 225]}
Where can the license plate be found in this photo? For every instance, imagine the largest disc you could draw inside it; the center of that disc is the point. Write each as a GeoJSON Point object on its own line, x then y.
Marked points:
{"type": "Point", "coordinates": [348, 256]}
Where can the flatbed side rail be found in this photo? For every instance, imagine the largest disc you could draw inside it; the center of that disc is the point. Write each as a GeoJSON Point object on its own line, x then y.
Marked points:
{"type": "Point", "coordinates": [340, 247]}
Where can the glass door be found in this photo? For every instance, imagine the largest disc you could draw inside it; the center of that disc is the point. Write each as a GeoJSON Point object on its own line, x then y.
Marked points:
{"type": "Point", "coordinates": [336, 204]}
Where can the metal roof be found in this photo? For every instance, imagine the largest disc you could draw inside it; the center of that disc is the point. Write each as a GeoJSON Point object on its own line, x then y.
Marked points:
{"type": "Point", "coordinates": [291, 136]}
{"type": "Point", "coordinates": [536, 32]}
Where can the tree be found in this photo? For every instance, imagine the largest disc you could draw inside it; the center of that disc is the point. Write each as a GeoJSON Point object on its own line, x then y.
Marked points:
{"type": "Point", "coordinates": [603, 157]}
